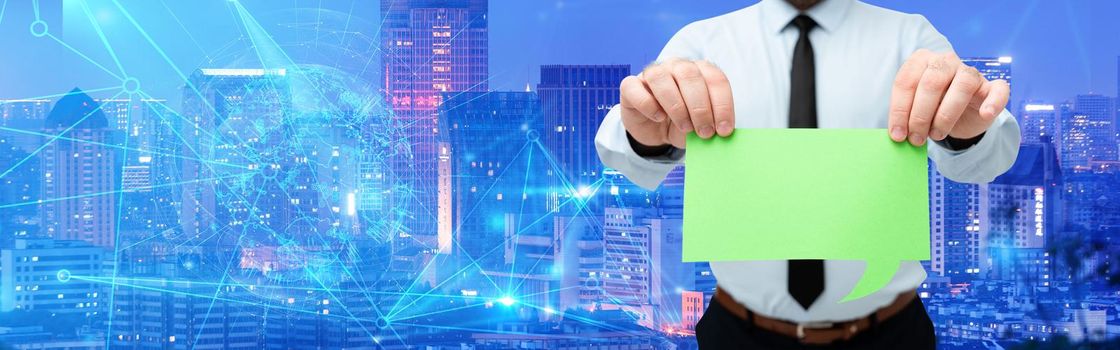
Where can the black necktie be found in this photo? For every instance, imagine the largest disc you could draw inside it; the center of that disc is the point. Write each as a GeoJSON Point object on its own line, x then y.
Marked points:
{"type": "Point", "coordinates": [806, 277]}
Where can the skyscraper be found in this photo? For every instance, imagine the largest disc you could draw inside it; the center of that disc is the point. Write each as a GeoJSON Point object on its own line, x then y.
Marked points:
{"type": "Point", "coordinates": [23, 115]}
{"type": "Point", "coordinates": [496, 173]}
{"type": "Point", "coordinates": [79, 173]}
{"type": "Point", "coordinates": [958, 211]}
{"type": "Point", "coordinates": [429, 47]}
{"type": "Point", "coordinates": [1088, 135]}
{"type": "Point", "coordinates": [1038, 120]}
{"type": "Point", "coordinates": [1024, 211]}
{"type": "Point", "coordinates": [229, 117]}
{"type": "Point", "coordinates": [574, 100]}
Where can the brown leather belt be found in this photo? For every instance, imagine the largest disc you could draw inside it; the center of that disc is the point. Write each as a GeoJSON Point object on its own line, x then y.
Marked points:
{"type": "Point", "coordinates": [815, 332]}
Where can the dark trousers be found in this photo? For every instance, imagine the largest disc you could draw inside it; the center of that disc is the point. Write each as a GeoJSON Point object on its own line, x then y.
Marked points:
{"type": "Point", "coordinates": [909, 329]}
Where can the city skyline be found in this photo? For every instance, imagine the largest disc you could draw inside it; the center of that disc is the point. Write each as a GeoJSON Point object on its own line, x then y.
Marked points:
{"type": "Point", "coordinates": [298, 193]}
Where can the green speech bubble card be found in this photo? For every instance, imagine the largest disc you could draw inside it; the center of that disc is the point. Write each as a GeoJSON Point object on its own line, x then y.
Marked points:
{"type": "Point", "coordinates": [780, 194]}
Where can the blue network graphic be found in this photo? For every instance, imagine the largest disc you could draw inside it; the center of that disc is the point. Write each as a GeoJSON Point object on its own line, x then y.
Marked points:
{"type": "Point", "coordinates": [272, 197]}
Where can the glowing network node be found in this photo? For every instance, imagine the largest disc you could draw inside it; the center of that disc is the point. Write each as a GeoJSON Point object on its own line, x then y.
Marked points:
{"type": "Point", "coordinates": [507, 301]}
{"type": "Point", "coordinates": [63, 275]}
{"type": "Point", "coordinates": [130, 85]}
{"type": "Point", "coordinates": [532, 135]}
{"type": "Point", "coordinates": [39, 28]}
{"type": "Point", "coordinates": [382, 323]}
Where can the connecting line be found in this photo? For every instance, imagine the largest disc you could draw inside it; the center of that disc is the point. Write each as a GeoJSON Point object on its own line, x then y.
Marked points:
{"type": "Point", "coordinates": [82, 55]}
{"type": "Point", "coordinates": [117, 225]}
{"type": "Point", "coordinates": [53, 138]}
{"type": "Point", "coordinates": [69, 93]}
{"type": "Point", "coordinates": [104, 41]}
{"type": "Point", "coordinates": [518, 225]}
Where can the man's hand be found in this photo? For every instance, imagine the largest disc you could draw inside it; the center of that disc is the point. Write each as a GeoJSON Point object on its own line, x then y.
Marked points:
{"type": "Point", "coordinates": [668, 100]}
{"type": "Point", "coordinates": [936, 95]}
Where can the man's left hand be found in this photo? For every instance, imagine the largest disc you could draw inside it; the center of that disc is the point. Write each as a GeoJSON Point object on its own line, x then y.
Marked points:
{"type": "Point", "coordinates": [936, 95]}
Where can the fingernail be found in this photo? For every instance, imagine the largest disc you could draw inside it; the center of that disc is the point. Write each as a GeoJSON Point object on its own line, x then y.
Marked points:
{"type": "Point", "coordinates": [659, 117]}
{"type": "Point", "coordinates": [897, 134]}
{"type": "Point", "coordinates": [991, 110]}
{"type": "Point", "coordinates": [686, 126]}
{"type": "Point", "coordinates": [916, 139]}
{"type": "Point", "coordinates": [706, 131]}
{"type": "Point", "coordinates": [724, 128]}
{"type": "Point", "coordinates": [936, 135]}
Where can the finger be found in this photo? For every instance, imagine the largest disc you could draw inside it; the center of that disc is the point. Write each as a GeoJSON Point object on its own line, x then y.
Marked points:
{"type": "Point", "coordinates": [719, 91]}
{"type": "Point", "coordinates": [931, 90]}
{"type": "Point", "coordinates": [695, 93]}
{"type": "Point", "coordinates": [902, 94]}
{"type": "Point", "coordinates": [668, 95]}
{"type": "Point", "coordinates": [996, 99]}
{"type": "Point", "coordinates": [633, 94]}
{"type": "Point", "coordinates": [676, 137]}
{"type": "Point", "coordinates": [965, 84]}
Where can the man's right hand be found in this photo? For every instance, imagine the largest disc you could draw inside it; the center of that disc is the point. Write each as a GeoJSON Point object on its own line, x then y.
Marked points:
{"type": "Point", "coordinates": [668, 100]}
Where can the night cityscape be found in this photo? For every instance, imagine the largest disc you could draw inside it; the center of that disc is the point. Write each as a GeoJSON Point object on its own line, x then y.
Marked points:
{"type": "Point", "coordinates": [339, 179]}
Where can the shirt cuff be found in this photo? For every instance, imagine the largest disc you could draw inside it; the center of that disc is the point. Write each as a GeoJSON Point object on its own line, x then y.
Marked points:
{"type": "Point", "coordinates": [955, 144]}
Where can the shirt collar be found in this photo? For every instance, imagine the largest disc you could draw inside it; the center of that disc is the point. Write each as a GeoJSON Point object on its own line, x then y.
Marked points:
{"type": "Point", "coordinates": [828, 14]}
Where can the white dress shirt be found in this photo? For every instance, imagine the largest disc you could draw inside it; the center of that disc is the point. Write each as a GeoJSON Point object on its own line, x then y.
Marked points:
{"type": "Point", "coordinates": [858, 48]}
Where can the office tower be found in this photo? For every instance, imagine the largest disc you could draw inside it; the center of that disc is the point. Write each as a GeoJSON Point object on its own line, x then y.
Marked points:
{"type": "Point", "coordinates": [496, 174]}
{"type": "Point", "coordinates": [19, 192]}
{"type": "Point", "coordinates": [692, 309]}
{"type": "Point", "coordinates": [38, 275]}
{"type": "Point", "coordinates": [574, 100]}
{"type": "Point", "coordinates": [1024, 210]}
{"type": "Point", "coordinates": [956, 218]}
{"type": "Point", "coordinates": [232, 150]}
{"type": "Point", "coordinates": [79, 173]}
{"type": "Point", "coordinates": [1037, 120]}
{"type": "Point", "coordinates": [578, 256]}
{"type": "Point", "coordinates": [1087, 133]}
{"type": "Point", "coordinates": [957, 210]}
{"type": "Point", "coordinates": [429, 47]}
{"type": "Point", "coordinates": [642, 268]}
{"type": "Point", "coordinates": [21, 119]}
{"type": "Point", "coordinates": [170, 311]}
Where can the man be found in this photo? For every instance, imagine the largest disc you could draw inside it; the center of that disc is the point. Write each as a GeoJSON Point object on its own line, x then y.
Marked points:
{"type": "Point", "coordinates": [809, 64]}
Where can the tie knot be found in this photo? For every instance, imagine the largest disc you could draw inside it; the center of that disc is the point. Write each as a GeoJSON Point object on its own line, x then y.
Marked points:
{"type": "Point", "coordinates": [803, 23]}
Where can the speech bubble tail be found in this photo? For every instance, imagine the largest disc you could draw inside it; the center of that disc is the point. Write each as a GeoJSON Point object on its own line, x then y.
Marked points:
{"type": "Point", "coordinates": [876, 276]}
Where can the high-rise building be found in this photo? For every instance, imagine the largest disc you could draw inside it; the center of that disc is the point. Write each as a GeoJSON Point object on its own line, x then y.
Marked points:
{"type": "Point", "coordinates": [957, 213]}
{"type": "Point", "coordinates": [79, 173]}
{"type": "Point", "coordinates": [37, 275]}
{"type": "Point", "coordinates": [21, 119]}
{"type": "Point", "coordinates": [1088, 135]}
{"type": "Point", "coordinates": [496, 174]}
{"type": "Point", "coordinates": [19, 192]}
{"type": "Point", "coordinates": [1024, 210]}
{"type": "Point", "coordinates": [163, 311]}
{"type": "Point", "coordinates": [956, 217]}
{"type": "Point", "coordinates": [429, 47]}
{"type": "Point", "coordinates": [642, 268]}
{"type": "Point", "coordinates": [578, 252]}
{"type": "Point", "coordinates": [233, 148]}
{"type": "Point", "coordinates": [574, 100]}
{"type": "Point", "coordinates": [1038, 120]}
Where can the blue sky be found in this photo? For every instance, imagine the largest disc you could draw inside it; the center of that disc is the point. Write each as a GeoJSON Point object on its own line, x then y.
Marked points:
{"type": "Point", "coordinates": [1060, 47]}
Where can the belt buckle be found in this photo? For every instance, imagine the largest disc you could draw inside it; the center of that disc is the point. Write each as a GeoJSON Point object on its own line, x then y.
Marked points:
{"type": "Point", "coordinates": [811, 325]}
